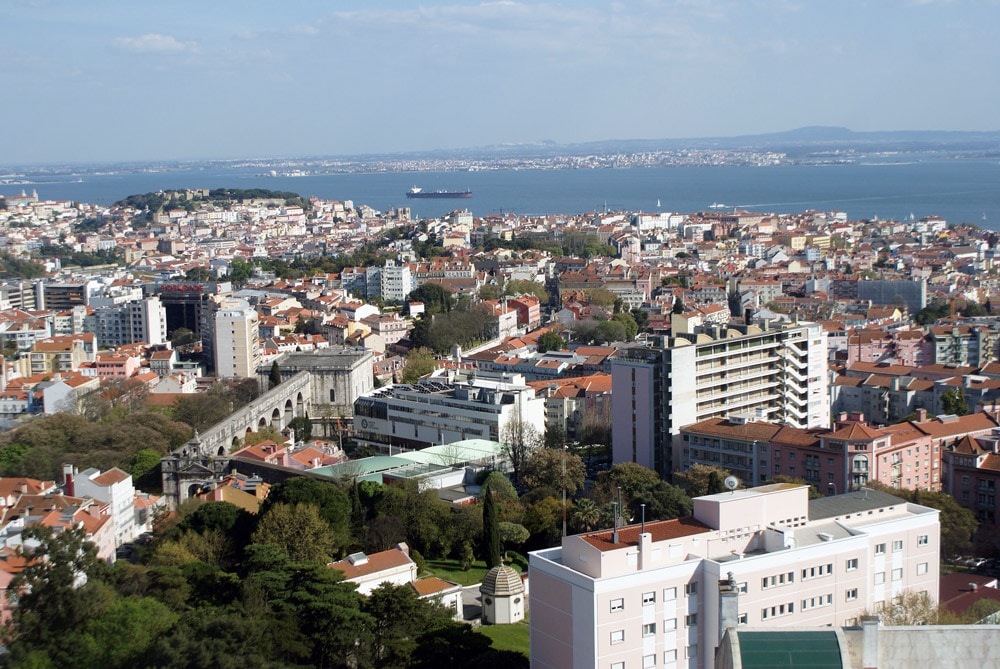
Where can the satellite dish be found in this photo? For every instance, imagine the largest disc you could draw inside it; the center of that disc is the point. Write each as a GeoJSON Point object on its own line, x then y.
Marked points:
{"type": "Point", "coordinates": [731, 482]}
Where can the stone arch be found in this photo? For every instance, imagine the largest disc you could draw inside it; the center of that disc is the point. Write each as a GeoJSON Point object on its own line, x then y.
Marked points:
{"type": "Point", "coordinates": [222, 451]}
{"type": "Point", "coordinates": [300, 405]}
{"type": "Point", "coordinates": [262, 423]}
{"type": "Point", "coordinates": [289, 411]}
{"type": "Point", "coordinates": [276, 418]}
{"type": "Point", "coordinates": [249, 430]}
{"type": "Point", "coordinates": [236, 441]}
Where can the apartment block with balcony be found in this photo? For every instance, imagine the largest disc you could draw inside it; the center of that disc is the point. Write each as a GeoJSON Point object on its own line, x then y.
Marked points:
{"type": "Point", "coordinates": [971, 473]}
{"type": "Point", "coordinates": [777, 374]}
{"type": "Point", "coordinates": [651, 594]}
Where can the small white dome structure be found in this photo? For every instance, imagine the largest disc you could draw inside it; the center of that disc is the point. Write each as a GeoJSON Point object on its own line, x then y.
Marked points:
{"type": "Point", "coordinates": [503, 596]}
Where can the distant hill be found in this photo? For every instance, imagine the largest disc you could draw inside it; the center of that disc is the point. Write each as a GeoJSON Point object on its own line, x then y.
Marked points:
{"type": "Point", "coordinates": [800, 141]}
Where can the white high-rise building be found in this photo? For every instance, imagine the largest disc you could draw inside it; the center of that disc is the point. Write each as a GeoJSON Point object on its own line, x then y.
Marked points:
{"type": "Point", "coordinates": [775, 373]}
{"type": "Point", "coordinates": [237, 340]}
{"type": "Point", "coordinates": [142, 320]}
{"type": "Point", "coordinates": [662, 594]}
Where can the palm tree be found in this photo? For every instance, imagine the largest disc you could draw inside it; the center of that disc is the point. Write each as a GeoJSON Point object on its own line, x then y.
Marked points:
{"type": "Point", "coordinates": [586, 515]}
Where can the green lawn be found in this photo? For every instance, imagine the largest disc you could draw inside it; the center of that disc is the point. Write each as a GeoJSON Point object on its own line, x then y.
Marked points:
{"type": "Point", "coordinates": [509, 637]}
{"type": "Point", "coordinates": [450, 570]}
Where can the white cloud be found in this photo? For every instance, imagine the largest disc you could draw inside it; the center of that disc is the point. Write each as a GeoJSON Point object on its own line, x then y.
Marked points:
{"type": "Point", "coordinates": [154, 43]}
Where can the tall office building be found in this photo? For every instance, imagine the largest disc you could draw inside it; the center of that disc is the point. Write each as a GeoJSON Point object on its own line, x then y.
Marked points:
{"type": "Point", "coordinates": [776, 373]}
{"type": "Point", "coordinates": [236, 340]}
{"type": "Point", "coordinates": [662, 594]}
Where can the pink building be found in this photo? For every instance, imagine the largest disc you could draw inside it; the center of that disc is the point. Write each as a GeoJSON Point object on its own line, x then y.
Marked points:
{"type": "Point", "coordinates": [650, 596]}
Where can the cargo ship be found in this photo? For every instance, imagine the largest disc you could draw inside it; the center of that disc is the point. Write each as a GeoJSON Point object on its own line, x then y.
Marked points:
{"type": "Point", "coordinates": [441, 194]}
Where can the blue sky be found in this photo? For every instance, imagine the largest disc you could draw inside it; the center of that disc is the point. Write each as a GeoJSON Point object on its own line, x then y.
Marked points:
{"type": "Point", "coordinates": [136, 80]}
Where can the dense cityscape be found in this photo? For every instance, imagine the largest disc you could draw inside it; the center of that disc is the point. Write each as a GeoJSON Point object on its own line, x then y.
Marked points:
{"type": "Point", "coordinates": [245, 394]}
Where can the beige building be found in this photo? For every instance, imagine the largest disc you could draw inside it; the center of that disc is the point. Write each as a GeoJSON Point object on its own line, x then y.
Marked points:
{"type": "Point", "coordinates": [237, 340]}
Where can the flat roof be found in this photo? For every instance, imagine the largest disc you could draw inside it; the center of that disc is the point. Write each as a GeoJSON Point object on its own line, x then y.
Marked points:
{"type": "Point", "coordinates": [852, 502]}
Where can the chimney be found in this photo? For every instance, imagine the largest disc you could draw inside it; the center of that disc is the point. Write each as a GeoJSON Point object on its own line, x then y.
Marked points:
{"type": "Point", "coordinates": [645, 550]}
{"type": "Point", "coordinates": [729, 605]}
{"type": "Point", "coordinates": [921, 415]}
{"type": "Point", "coordinates": [842, 418]}
{"type": "Point", "coordinates": [403, 548]}
{"type": "Point", "coordinates": [69, 486]}
{"type": "Point", "coordinates": [869, 642]}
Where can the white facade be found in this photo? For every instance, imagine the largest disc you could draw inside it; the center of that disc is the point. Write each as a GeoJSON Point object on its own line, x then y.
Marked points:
{"type": "Point", "coordinates": [114, 487]}
{"type": "Point", "coordinates": [143, 320]}
{"type": "Point", "coordinates": [656, 596]}
{"type": "Point", "coordinates": [435, 412]}
{"type": "Point", "coordinates": [237, 340]}
{"type": "Point", "coordinates": [777, 374]}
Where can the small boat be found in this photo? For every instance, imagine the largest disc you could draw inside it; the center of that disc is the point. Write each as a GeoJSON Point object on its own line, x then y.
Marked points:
{"type": "Point", "coordinates": [718, 205]}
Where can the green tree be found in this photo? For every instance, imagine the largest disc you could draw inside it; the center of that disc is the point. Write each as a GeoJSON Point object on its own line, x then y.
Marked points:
{"type": "Point", "coordinates": [601, 297]}
{"type": "Point", "coordinates": [715, 484]}
{"type": "Point", "coordinates": [399, 618]}
{"type": "Point", "coordinates": [552, 468]}
{"type": "Point", "coordinates": [435, 297]}
{"type": "Point", "coordinates": [696, 481]}
{"type": "Point", "coordinates": [491, 530]}
{"type": "Point", "coordinates": [550, 341]}
{"type": "Point", "coordinates": [512, 534]}
{"type": "Point", "coordinates": [419, 363]}
{"type": "Point", "coordinates": [610, 331]}
{"type": "Point", "coordinates": [628, 322]}
{"type": "Point", "coordinates": [954, 401]}
{"type": "Point", "coordinates": [333, 503]}
{"type": "Point", "coordinates": [298, 530]}
{"type": "Point", "coordinates": [518, 439]}
{"type": "Point", "coordinates": [585, 516]}
{"type": "Point", "coordinates": [526, 287]}
{"type": "Point", "coordinates": [60, 594]}
{"type": "Point", "coordinates": [303, 427]}
{"type": "Point", "coordinates": [628, 476]}
{"type": "Point", "coordinates": [274, 377]}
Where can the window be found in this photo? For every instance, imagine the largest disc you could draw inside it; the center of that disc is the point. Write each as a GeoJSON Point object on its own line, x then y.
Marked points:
{"type": "Point", "coordinates": [649, 629]}
{"type": "Point", "coordinates": [921, 569]}
{"type": "Point", "coordinates": [922, 540]}
{"type": "Point", "coordinates": [776, 580]}
{"type": "Point", "coordinates": [897, 574]}
{"type": "Point", "coordinates": [648, 661]}
{"type": "Point", "coordinates": [670, 624]}
{"type": "Point", "coordinates": [741, 619]}
{"type": "Point", "coordinates": [691, 651]}
{"type": "Point", "coordinates": [649, 598]}
{"type": "Point", "coordinates": [691, 588]}
{"type": "Point", "coordinates": [691, 619]}
{"type": "Point", "coordinates": [618, 636]}
{"type": "Point", "coordinates": [669, 594]}
{"type": "Point", "coordinates": [897, 546]}
{"type": "Point", "coordinates": [617, 665]}
{"type": "Point", "coordinates": [670, 655]}
{"type": "Point", "coordinates": [879, 577]}
{"type": "Point", "coordinates": [333, 396]}
{"type": "Point", "coordinates": [851, 595]}
{"type": "Point", "coordinates": [617, 604]}
{"type": "Point", "coordinates": [852, 564]}
{"type": "Point", "coordinates": [879, 549]}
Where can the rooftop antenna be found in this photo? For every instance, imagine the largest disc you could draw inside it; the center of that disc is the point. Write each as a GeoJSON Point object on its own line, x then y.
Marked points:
{"type": "Point", "coordinates": [643, 516]}
{"type": "Point", "coordinates": [614, 532]}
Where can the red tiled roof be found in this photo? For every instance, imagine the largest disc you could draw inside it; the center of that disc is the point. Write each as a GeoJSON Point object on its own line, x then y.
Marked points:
{"type": "Point", "coordinates": [663, 530]}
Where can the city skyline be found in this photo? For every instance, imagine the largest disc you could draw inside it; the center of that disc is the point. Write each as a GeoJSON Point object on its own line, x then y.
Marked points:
{"type": "Point", "coordinates": [112, 81]}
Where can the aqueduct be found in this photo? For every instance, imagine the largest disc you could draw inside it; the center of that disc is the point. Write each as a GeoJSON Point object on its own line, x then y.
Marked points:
{"type": "Point", "coordinates": [206, 456]}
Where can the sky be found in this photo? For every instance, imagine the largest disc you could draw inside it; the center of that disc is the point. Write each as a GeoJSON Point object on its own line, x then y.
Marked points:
{"type": "Point", "coordinates": [121, 80]}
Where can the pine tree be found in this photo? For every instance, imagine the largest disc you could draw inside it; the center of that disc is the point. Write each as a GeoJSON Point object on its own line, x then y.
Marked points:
{"type": "Point", "coordinates": [274, 378]}
{"type": "Point", "coordinates": [491, 531]}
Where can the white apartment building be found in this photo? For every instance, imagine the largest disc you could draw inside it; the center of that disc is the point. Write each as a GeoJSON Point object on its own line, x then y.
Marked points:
{"type": "Point", "coordinates": [776, 373]}
{"type": "Point", "coordinates": [654, 595]}
{"type": "Point", "coordinates": [436, 411]}
{"type": "Point", "coordinates": [113, 487]}
{"type": "Point", "coordinates": [237, 340]}
{"type": "Point", "coordinates": [142, 320]}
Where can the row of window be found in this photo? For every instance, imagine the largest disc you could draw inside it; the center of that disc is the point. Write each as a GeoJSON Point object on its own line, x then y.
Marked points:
{"type": "Point", "coordinates": [669, 656]}
{"type": "Point", "coordinates": [649, 629]}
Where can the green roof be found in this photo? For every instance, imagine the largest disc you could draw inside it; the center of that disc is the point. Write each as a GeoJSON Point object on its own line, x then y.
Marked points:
{"type": "Point", "coordinates": [812, 649]}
